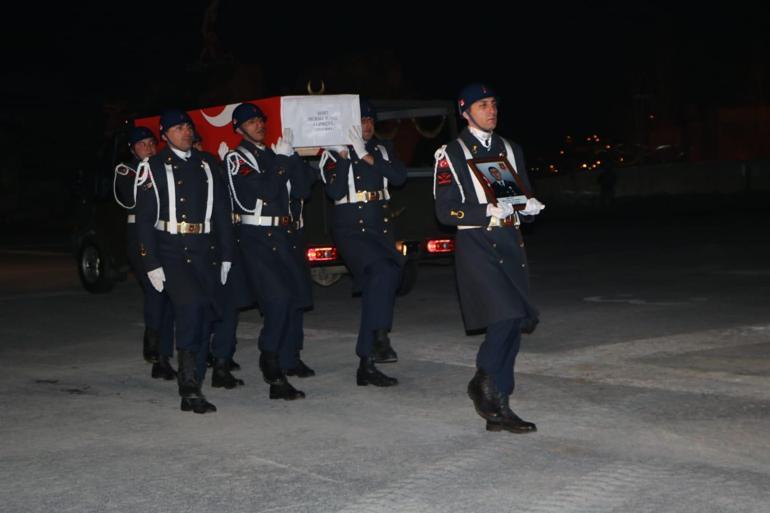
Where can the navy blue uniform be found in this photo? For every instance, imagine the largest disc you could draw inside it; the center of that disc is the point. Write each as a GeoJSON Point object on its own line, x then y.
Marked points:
{"type": "Point", "coordinates": [363, 233]}
{"type": "Point", "coordinates": [158, 314]}
{"type": "Point", "coordinates": [490, 261]}
{"type": "Point", "coordinates": [234, 296]}
{"type": "Point", "coordinates": [259, 180]}
{"type": "Point", "coordinates": [301, 182]}
{"type": "Point", "coordinates": [185, 196]}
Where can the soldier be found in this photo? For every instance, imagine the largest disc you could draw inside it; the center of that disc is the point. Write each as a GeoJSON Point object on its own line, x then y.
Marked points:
{"type": "Point", "coordinates": [490, 263]}
{"type": "Point", "coordinates": [357, 180]}
{"type": "Point", "coordinates": [233, 296]}
{"type": "Point", "coordinates": [300, 185]}
{"type": "Point", "coordinates": [158, 345]}
{"type": "Point", "coordinates": [259, 179]}
{"type": "Point", "coordinates": [186, 244]}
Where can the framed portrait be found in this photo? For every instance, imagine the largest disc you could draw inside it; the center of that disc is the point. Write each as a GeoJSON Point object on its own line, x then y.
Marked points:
{"type": "Point", "coordinates": [500, 181]}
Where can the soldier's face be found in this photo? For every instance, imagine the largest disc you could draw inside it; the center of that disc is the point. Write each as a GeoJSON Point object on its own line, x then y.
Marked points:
{"type": "Point", "coordinates": [367, 128]}
{"type": "Point", "coordinates": [253, 129]}
{"type": "Point", "coordinates": [495, 173]}
{"type": "Point", "coordinates": [180, 136]}
{"type": "Point", "coordinates": [145, 148]}
{"type": "Point", "coordinates": [482, 114]}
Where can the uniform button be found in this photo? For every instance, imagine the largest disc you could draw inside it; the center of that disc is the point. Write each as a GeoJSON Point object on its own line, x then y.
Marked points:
{"type": "Point", "coordinates": [189, 261]}
{"type": "Point", "coordinates": [295, 247]}
{"type": "Point", "coordinates": [523, 265]}
{"type": "Point", "coordinates": [213, 263]}
{"type": "Point", "coordinates": [521, 245]}
{"type": "Point", "coordinates": [179, 182]}
{"type": "Point", "coordinates": [211, 247]}
{"type": "Point", "coordinates": [181, 200]}
{"type": "Point", "coordinates": [386, 219]}
{"type": "Point", "coordinates": [186, 248]}
{"type": "Point", "coordinates": [265, 203]}
{"type": "Point", "coordinates": [358, 178]}
{"type": "Point", "coordinates": [275, 249]}
{"type": "Point", "coordinates": [494, 244]}
{"type": "Point", "coordinates": [360, 221]}
{"type": "Point", "coordinates": [384, 231]}
{"type": "Point", "coordinates": [501, 260]}
{"type": "Point", "coordinates": [489, 228]}
{"type": "Point", "coordinates": [269, 234]}
{"type": "Point", "coordinates": [360, 206]}
{"type": "Point", "coordinates": [363, 229]}
{"type": "Point", "coordinates": [517, 227]}
{"type": "Point", "coordinates": [184, 216]}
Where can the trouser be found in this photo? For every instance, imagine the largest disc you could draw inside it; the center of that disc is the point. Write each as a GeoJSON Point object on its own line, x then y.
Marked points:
{"type": "Point", "coordinates": [224, 339]}
{"type": "Point", "coordinates": [497, 354]}
{"type": "Point", "coordinates": [379, 285]}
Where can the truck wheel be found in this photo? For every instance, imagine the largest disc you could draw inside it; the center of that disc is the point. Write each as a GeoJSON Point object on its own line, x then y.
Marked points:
{"type": "Point", "coordinates": [408, 278]}
{"type": "Point", "coordinates": [93, 269]}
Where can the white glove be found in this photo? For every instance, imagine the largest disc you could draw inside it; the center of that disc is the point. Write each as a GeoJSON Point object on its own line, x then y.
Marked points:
{"type": "Point", "coordinates": [532, 208]}
{"type": "Point", "coordinates": [225, 269]}
{"type": "Point", "coordinates": [357, 141]}
{"type": "Point", "coordinates": [157, 277]}
{"type": "Point", "coordinates": [501, 211]}
{"type": "Point", "coordinates": [283, 145]}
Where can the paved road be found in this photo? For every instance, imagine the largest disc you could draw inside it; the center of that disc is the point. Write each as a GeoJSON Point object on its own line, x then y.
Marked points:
{"type": "Point", "coordinates": [648, 378]}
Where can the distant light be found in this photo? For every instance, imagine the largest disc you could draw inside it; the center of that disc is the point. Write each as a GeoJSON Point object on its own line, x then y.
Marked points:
{"type": "Point", "coordinates": [652, 116]}
{"type": "Point", "coordinates": [561, 152]}
{"type": "Point", "coordinates": [598, 162]}
{"type": "Point", "coordinates": [607, 147]}
{"type": "Point", "coordinates": [584, 166]}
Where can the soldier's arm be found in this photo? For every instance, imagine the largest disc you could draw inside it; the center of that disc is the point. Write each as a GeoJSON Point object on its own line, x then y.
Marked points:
{"type": "Point", "coordinates": [392, 168]}
{"type": "Point", "coordinates": [302, 177]}
{"type": "Point", "coordinates": [266, 185]}
{"type": "Point", "coordinates": [146, 214]}
{"type": "Point", "coordinates": [222, 220]}
{"type": "Point", "coordinates": [336, 177]}
{"type": "Point", "coordinates": [450, 208]}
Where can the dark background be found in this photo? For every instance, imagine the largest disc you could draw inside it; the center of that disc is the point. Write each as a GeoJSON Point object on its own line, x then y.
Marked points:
{"type": "Point", "coordinates": [643, 72]}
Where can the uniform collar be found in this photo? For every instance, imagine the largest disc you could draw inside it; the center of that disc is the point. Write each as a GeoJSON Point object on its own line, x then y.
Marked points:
{"type": "Point", "coordinates": [485, 138]}
{"type": "Point", "coordinates": [251, 146]}
{"type": "Point", "coordinates": [184, 155]}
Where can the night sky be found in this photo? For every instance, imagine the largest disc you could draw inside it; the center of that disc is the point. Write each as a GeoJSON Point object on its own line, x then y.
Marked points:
{"type": "Point", "coordinates": [559, 69]}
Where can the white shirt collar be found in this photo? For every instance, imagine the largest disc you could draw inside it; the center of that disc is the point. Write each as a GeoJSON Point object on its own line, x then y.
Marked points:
{"type": "Point", "coordinates": [184, 155]}
{"type": "Point", "coordinates": [485, 138]}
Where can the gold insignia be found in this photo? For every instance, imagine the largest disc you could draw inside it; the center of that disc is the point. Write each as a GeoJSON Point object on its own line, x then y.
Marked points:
{"type": "Point", "coordinates": [475, 149]}
{"type": "Point", "coordinates": [459, 214]}
{"type": "Point", "coordinates": [142, 251]}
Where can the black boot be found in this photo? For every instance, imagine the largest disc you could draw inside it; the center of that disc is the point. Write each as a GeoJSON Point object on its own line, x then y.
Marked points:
{"type": "Point", "coordinates": [383, 351]}
{"type": "Point", "coordinates": [221, 376]}
{"type": "Point", "coordinates": [271, 371]}
{"type": "Point", "coordinates": [189, 387]}
{"type": "Point", "coordinates": [234, 366]}
{"type": "Point", "coordinates": [162, 369]}
{"type": "Point", "coordinates": [483, 392]}
{"type": "Point", "coordinates": [283, 390]}
{"type": "Point", "coordinates": [151, 345]}
{"type": "Point", "coordinates": [300, 370]}
{"type": "Point", "coordinates": [509, 421]}
{"type": "Point", "coordinates": [368, 374]}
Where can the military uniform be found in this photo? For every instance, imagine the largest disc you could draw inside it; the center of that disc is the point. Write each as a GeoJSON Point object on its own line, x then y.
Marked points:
{"type": "Point", "coordinates": [184, 228]}
{"type": "Point", "coordinates": [259, 181]}
{"type": "Point", "coordinates": [363, 233]}
{"type": "Point", "coordinates": [158, 314]}
{"type": "Point", "coordinates": [490, 264]}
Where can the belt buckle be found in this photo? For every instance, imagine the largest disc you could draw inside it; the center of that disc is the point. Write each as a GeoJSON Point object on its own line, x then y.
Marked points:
{"type": "Point", "coordinates": [183, 227]}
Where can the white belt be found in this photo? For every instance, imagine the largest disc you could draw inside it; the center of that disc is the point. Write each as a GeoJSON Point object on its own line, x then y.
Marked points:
{"type": "Point", "coordinates": [363, 197]}
{"type": "Point", "coordinates": [182, 228]}
{"type": "Point", "coordinates": [131, 218]}
{"type": "Point", "coordinates": [255, 220]}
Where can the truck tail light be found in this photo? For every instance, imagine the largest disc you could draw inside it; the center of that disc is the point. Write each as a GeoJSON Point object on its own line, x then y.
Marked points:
{"type": "Point", "coordinates": [321, 254]}
{"type": "Point", "coordinates": [436, 246]}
